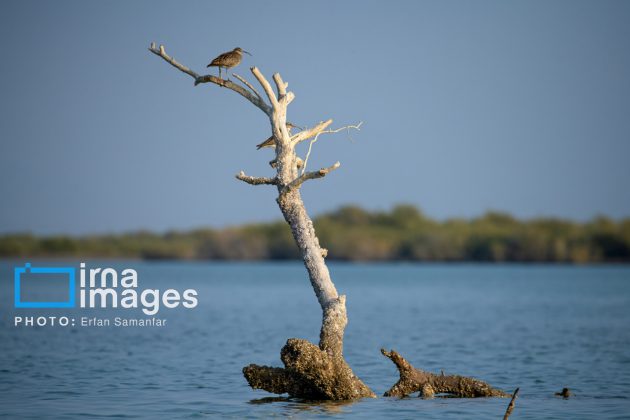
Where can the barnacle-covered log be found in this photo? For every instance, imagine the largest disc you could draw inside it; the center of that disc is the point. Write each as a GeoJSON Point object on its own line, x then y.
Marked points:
{"type": "Point", "coordinates": [428, 384]}
{"type": "Point", "coordinates": [309, 373]}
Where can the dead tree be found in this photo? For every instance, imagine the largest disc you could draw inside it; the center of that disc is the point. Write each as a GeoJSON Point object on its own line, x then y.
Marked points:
{"type": "Point", "coordinates": [311, 372]}
{"type": "Point", "coordinates": [429, 384]}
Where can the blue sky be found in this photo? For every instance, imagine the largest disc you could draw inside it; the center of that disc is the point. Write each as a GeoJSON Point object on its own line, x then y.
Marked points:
{"type": "Point", "coordinates": [520, 106]}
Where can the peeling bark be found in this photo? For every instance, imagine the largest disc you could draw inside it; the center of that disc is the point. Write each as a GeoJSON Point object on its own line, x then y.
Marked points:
{"type": "Point", "coordinates": [428, 384]}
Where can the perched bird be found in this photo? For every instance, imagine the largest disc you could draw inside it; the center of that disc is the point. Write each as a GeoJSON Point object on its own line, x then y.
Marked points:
{"type": "Point", "coordinates": [228, 60]}
{"type": "Point", "coordinates": [271, 141]}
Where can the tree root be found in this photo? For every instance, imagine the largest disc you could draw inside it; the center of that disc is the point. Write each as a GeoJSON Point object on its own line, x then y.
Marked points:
{"type": "Point", "coordinates": [309, 373]}
{"type": "Point", "coordinates": [428, 384]}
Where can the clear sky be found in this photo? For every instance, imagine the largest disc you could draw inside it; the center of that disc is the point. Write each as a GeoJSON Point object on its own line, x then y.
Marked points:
{"type": "Point", "coordinates": [519, 106]}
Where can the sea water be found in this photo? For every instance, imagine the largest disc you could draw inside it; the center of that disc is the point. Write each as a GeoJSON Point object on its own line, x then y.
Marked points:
{"type": "Point", "coordinates": [537, 327]}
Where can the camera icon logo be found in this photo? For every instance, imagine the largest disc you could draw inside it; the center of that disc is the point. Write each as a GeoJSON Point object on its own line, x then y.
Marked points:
{"type": "Point", "coordinates": [42, 274]}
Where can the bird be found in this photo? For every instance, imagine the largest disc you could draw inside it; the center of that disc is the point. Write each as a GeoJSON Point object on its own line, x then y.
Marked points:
{"type": "Point", "coordinates": [271, 141]}
{"type": "Point", "coordinates": [566, 393]}
{"type": "Point", "coordinates": [228, 59]}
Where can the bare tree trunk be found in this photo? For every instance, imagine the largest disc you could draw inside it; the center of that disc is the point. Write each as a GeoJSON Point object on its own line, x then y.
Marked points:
{"type": "Point", "coordinates": [311, 372]}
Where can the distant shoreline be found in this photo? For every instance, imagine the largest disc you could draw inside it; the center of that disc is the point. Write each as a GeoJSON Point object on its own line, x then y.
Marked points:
{"type": "Point", "coordinates": [331, 262]}
{"type": "Point", "coordinates": [352, 234]}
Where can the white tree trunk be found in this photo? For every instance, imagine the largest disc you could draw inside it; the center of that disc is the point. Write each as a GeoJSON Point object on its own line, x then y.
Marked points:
{"type": "Point", "coordinates": [314, 372]}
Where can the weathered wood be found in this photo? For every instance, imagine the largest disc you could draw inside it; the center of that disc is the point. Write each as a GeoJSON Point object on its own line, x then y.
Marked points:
{"type": "Point", "coordinates": [310, 372]}
{"type": "Point", "coordinates": [254, 98]}
{"type": "Point", "coordinates": [255, 180]}
{"type": "Point", "coordinates": [428, 384]}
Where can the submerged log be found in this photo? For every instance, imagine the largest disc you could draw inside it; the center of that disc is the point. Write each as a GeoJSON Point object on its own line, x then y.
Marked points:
{"type": "Point", "coordinates": [429, 384]}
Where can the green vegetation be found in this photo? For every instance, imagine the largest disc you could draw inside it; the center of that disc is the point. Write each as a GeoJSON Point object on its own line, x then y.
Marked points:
{"type": "Point", "coordinates": [352, 233]}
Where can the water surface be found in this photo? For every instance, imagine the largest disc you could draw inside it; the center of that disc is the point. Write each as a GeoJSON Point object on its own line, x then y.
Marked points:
{"type": "Point", "coordinates": [539, 328]}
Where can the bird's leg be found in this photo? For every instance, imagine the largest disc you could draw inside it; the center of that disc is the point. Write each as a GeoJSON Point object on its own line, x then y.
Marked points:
{"type": "Point", "coordinates": [219, 72]}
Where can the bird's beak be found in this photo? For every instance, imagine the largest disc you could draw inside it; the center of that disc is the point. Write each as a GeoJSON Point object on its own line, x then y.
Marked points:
{"type": "Point", "coordinates": [246, 52]}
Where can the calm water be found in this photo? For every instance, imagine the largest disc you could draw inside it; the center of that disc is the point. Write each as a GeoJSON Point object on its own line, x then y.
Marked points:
{"type": "Point", "coordinates": [539, 328]}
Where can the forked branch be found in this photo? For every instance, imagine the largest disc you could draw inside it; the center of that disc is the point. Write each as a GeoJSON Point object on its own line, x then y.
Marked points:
{"type": "Point", "coordinates": [284, 97]}
{"type": "Point", "coordinates": [249, 85]}
{"type": "Point", "coordinates": [208, 78]}
{"type": "Point", "coordinates": [280, 84]}
{"type": "Point", "coordinates": [311, 175]}
{"type": "Point", "coordinates": [310, 132]}
{"type": "Point", "coordinates": [310, 145]}
{"type": "Point", "coordinates": [266, 87]}
{"type": "Point", "coordinates": [162, 53]}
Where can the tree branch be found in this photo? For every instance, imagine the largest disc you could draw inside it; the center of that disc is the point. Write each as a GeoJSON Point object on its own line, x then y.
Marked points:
{"type": "Point", "coordinates": [256, 180]}
{"type": "Point", "coordinates": [296, 183]}
{"type": "Point", "coordinates": [266, 86]}
{"type": "Point", "coordinates": [310, 132]}
{"type": "Point", "coordinates": [162, 53]}
{"type": "Point", "coordinates": [254, 99]}
{"type": "Point", "coordinates": [284, 97]}
{"type": "Point", "coordinates": [281, 85]}
{"type": "Point", "coordinates": [288, 98]}
{"type": "Point", "coordinates": [249, 85]}
{"type": "Point", "coordinates": [310, 145]}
